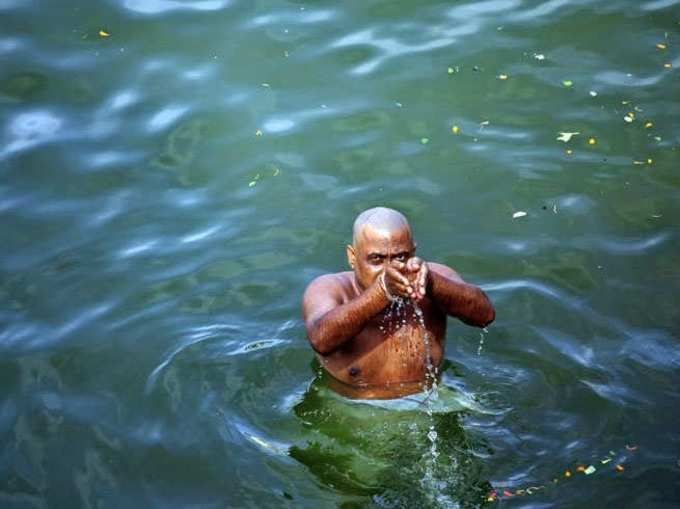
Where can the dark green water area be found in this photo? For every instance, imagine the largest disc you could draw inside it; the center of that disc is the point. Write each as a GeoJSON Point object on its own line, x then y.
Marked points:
{"type": "Point", "coordinates": [173, 173]}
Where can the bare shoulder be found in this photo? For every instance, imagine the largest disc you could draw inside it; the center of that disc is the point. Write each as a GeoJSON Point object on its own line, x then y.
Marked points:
{"type": "Point", "coordinates": [326, 283]}
{"type": "Point", "coordinates": [325, 292]}
{"type": "Point", "coordinates": [445, 270]}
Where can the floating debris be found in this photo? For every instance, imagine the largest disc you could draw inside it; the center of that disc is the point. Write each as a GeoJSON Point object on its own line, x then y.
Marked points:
{"type": "Point", "coordinates": [104, 33]}
{"type": "Point", "coordinates": [539, 56]}
{"type": "Point", "coordinates": [592, 141]}
{"type": "Point", "coordinates": [483, 124]}
{"type": "Point", "coordinates": [258, 132]}
{"type": "Point", "coordinates": [568, 152]}
{"type": "Point", "coordinates": [424, 141]}
{"type": "Point", "coordinates": [565, 137]}
{"type": "Point", "coordinates": [503, 77]}
{"type": "Point", "coordinates": [661, 45]}
{"type": "Point", "coordinates": [567, 83]}
{"type": "Point", "coordinates": [455, 129]}
{"type": "Point", "coordinates": [567, 473]}
{"type": "Point", "coordinates": [648, 125]}
{"type": "Point", "coordinates": [668, 65]}
{"type": "Point", "coordinates": [619, 468]}
{"type": "Point", "coordinates": [518, 214]}
{"type": "Point", "coordinates": [590, 470]}
{"type": "Point", "coordinates": [629, 118]}
{"type": "Point", "coordinates": [593, 93]}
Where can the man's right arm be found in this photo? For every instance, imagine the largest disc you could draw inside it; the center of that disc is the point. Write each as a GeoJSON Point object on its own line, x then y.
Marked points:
{"type": "Point", "coordinates": [329, 321]}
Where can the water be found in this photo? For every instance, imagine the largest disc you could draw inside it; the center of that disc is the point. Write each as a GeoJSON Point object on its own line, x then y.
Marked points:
{"type": "Point", "coordinates": [169, 190]}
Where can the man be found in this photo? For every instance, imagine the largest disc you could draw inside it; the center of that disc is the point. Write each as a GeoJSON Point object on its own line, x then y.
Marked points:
{"type": "Point", "coordinates": [379, 329]}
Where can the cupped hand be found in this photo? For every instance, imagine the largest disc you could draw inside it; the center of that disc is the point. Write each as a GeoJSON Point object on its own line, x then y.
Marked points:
{"type": "Point", "coordinates": [396, 281]}
{"type": "Point", "coordinates": [418, 274]}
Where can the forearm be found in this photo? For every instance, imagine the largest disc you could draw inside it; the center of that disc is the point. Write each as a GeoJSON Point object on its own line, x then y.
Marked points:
{"type": "Point", "coordinates": [346, 321]}
{"type": "Point", "coordinates": [459, 299]}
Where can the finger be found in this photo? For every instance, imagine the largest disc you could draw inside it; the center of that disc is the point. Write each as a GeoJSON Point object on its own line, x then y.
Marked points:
{"type": "Point", "coordinates": [413, 264]}
{"type": "Point", "coordinates": [422, 279]}
{"type": "Point", "coordinates": [393, 275]}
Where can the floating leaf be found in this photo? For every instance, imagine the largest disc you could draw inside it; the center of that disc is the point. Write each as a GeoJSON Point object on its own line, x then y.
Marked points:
{"type": "Point", "coordinates": [648, 125]}
{"type": "Point", "coordinates": [567, 83]}
{"type": "Point", "coordinates": [620, 468]}
{"type": "Point", "coordinates": [567, 473]}
{"type": "Point", "coordinates": [661, 45]}
{"type": "Point", "coordinates": [581, 468]}
{"type": "Point", "coordinates": [628, 118]}
{"type": "Point", "coordinates": [668, 65]}
{"type": "Point", "coordinates": [424, 141]}
{"type": "Point", "coordinates": [104, 33]}
{"type": "Point", "coordinates": [605, 461]}
{"type": "Point", "coordinates": [539, 56]}
{"type": "Point", "coordinates": [590, 470]}
{"type": "Point", "coordinates": [565, 137]}
{"type": "Point", "coordinates": [592, 141]}
{"type": "Point", "coordinates": [455, 129]}
{"type": "Point", "coordinates": [593, 93]}
{"type": "Point", "coordinates": [518, 214]}
{"type": "Point", "coordinates": [503, 77]}
{"type": "Point", "coordinates": [568, 152]}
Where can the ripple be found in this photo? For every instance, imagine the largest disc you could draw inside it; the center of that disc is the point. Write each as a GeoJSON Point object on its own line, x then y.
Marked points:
{"type": "Point", "coordinates": [254, 346]}
{"type": "Point", "coordinates": [161, 6]}
{"type": "Point", "coordinates": [165, 117]}
{"type": "Point", "coordinates": [138, 248]}
{"type": "Point", "coordinates": [200, 235]}
{"type": "Point", "coordinates": [30, 129]}
{"type": "Point", "coordinates": [657, 5]}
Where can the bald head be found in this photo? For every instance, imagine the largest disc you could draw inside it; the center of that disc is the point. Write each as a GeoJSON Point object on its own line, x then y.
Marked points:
{"type": "Point", "coordinates": [380, 219]}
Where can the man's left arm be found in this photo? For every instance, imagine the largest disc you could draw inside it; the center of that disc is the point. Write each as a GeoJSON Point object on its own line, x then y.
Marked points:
{"type": "Point", "coordinates": [453, 295]}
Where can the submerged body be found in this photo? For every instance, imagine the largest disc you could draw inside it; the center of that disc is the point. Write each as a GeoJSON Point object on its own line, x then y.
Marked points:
{"type": "Point", "coordinates": [379, 330]}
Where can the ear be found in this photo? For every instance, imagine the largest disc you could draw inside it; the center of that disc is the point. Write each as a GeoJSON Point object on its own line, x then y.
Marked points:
{"type": "Point", "coordinates": [351, 256]}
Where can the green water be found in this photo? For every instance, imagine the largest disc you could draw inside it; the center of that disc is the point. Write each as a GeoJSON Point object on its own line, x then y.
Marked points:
{"type": "Point", "coordinates": [169, 190]}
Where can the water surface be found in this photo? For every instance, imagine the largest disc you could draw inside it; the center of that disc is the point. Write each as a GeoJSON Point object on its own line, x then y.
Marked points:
{"type": "Point", "coordinates": [175, 172]}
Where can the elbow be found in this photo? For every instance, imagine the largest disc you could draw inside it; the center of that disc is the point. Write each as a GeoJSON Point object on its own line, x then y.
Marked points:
{"type": "Point", "coordinates": [487, 314]}
{"type": "Point", "coordinates": [488, 317]}
{"type": "Point", "coordinates": [319, 343]}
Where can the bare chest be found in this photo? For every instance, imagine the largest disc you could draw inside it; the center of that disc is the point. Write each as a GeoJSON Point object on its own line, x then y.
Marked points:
{"type": "Point", "coordinates": [396, 346]}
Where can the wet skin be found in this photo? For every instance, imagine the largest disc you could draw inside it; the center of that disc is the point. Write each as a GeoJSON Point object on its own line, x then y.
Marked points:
{"type": "Point", "coordinates": [372, 349]}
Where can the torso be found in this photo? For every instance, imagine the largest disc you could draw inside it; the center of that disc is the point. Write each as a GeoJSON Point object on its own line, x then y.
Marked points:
{"type": "Point", "coordinates": [389, 357]}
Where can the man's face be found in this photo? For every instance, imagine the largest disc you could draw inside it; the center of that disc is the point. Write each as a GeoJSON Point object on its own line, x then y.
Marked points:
{"type": "Point", "coordinates": [375, 249]}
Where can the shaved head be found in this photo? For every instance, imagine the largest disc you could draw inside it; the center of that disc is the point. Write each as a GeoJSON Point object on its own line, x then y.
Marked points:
{"type": "Point", "coordinates": [380, 219]}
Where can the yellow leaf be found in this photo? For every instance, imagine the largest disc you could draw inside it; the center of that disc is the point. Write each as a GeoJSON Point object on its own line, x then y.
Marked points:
{"type": "Point", "coordinates": [668, 65]}
{"type": "Point", "coordinates": [661, 45]}
{"type": "Point", "coordinates": [104, 33]}
{"type": "Point", "coordinates": [455, 129]}
{"type": "Point", "coordinates": [502, 76]}
{"type": "Point", "coordinates": [592, 141]}
{"type": "Point", "coordinates": [648, 125]}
